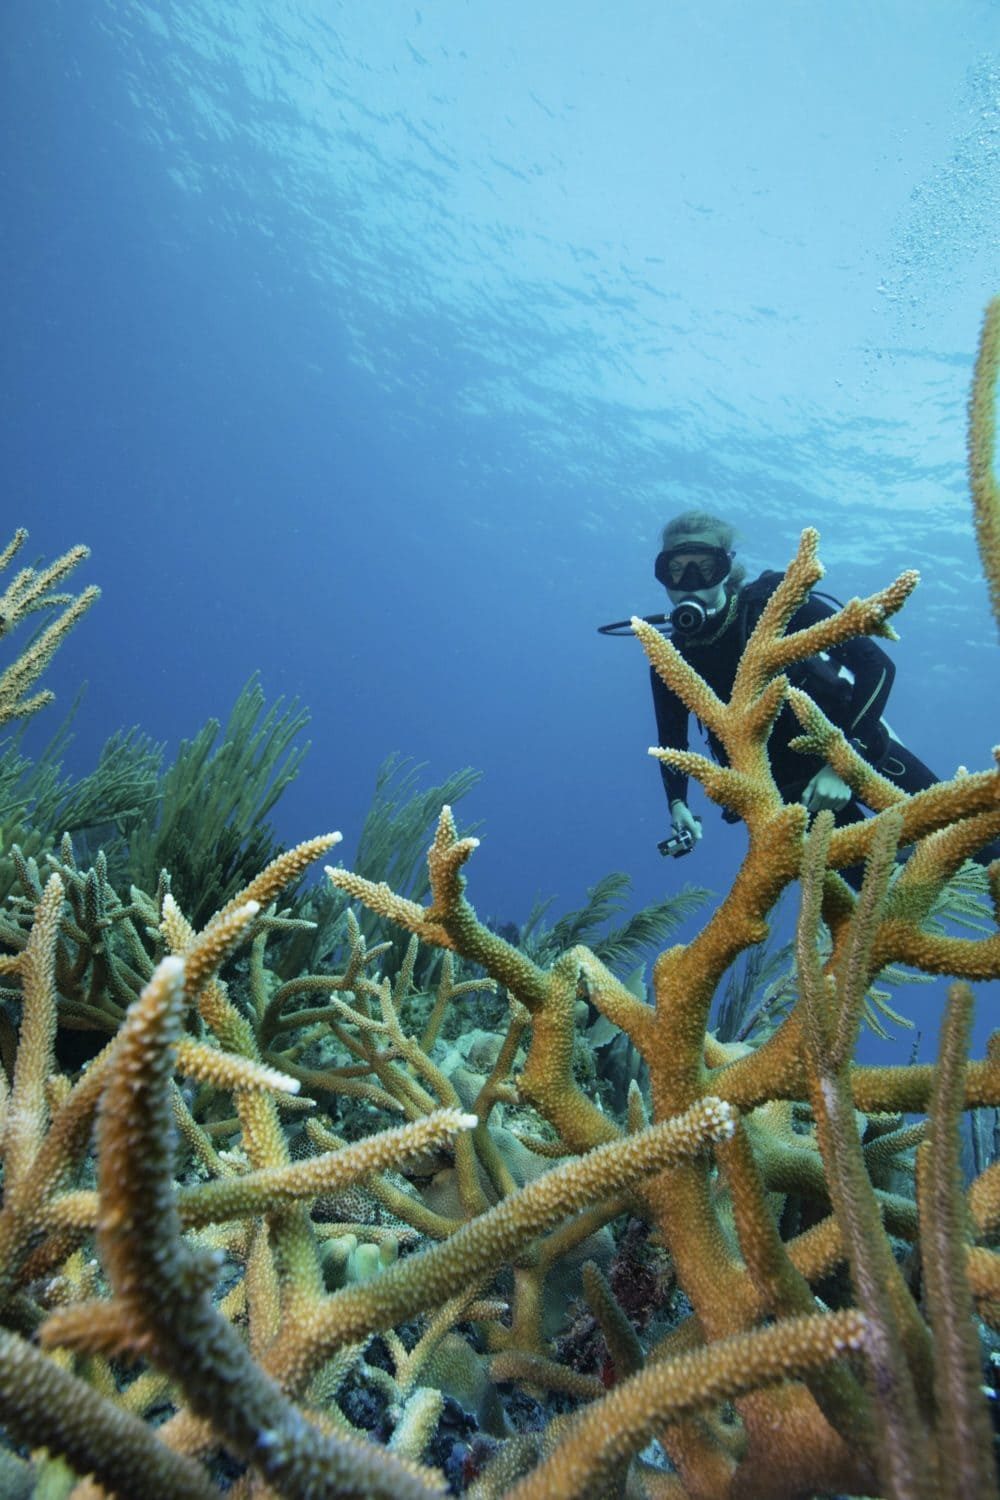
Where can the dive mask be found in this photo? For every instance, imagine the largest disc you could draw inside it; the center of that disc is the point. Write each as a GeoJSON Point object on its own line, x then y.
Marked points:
{"type": "Point", "coordinates": [687, 568]}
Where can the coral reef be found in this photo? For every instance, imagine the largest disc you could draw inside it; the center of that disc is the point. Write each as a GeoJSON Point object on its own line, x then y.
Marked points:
{"type": "Point", "coordinates": [291, 1234]}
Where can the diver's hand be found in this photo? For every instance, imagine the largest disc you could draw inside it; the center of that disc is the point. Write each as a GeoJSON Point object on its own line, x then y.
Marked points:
{"type": "Point", "coordinates": [826, 790]}
{"type": "Point", "coordinates": [684, 820]}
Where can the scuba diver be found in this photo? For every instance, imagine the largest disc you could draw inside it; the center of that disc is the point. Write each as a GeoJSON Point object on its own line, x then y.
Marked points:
{"type": "Point", "coordinates": [714, 611]}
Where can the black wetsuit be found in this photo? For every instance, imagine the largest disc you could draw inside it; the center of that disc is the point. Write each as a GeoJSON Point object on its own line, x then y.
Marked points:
{"type": "Point", "coordinates": [855, 707]}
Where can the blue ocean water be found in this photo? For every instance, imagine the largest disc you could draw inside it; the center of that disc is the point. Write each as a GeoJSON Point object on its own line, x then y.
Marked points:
{"type": "Point", "coordinates": [370, 346]}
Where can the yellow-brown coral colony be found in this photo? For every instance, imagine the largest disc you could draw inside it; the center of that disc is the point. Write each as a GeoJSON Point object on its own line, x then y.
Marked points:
{"type": "Point", "coordinates": [203, 1281]}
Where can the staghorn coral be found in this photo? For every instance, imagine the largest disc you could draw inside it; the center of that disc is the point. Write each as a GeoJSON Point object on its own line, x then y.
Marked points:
{"type": "Point", "coordinates": [28, 592]}
{"type": "Point", "coordinates": [209, 1209]}
{"type": "Point", "coordinates": [982, 452]}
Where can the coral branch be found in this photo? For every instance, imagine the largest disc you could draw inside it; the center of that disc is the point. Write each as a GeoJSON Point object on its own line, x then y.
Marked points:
{"type": "Point", "coordinates": [163, 1287]}
{"type": "Point", "coordinates": [982, 452]}
{"type": "Point", "coordinates": [625, 1420]}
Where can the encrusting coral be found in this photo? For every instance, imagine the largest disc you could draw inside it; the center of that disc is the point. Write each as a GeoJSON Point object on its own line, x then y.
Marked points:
{"type": "Point", "coordinates": [298, 1303]}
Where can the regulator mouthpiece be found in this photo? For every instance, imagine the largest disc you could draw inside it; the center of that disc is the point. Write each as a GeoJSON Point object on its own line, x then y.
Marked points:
{"type": "Point", "coordinates": [689, 617]}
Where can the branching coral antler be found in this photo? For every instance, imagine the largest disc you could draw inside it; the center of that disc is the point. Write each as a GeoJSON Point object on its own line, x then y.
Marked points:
{"type": "Point", "coordinates": [491, 1240]}
{"type": "Point", "coordinates": [982, 452]}
{"type": "Point", "coordinates": [547, 995]}
{"type": "Point", "coordinates": [163, 1304]}
{"type": "Point", "coordinates": [30, 591]}
{"type": "Point", "coordinates": [760, 689]}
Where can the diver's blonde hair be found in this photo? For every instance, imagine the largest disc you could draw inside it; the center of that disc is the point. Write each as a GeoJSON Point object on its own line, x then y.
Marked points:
{"type": "Point", "coordinates": [696, 526]}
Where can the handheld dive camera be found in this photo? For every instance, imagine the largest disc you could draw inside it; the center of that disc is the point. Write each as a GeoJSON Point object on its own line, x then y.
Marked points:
{"type": "Point", "coordinates": [678, 844]}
